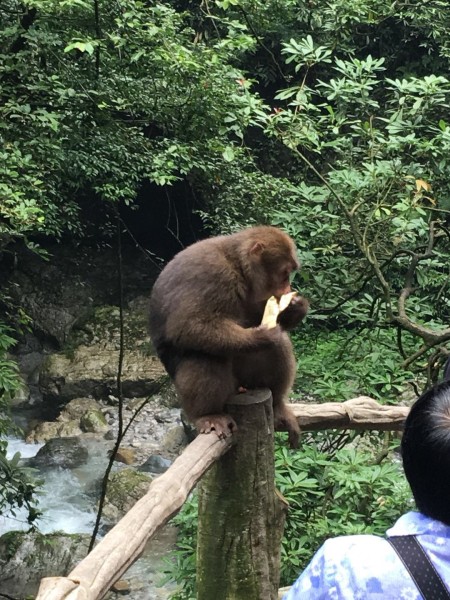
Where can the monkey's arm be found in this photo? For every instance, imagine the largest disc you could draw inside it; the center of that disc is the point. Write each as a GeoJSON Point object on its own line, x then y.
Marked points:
{"type": "Point", "coordinates": [219, 336]}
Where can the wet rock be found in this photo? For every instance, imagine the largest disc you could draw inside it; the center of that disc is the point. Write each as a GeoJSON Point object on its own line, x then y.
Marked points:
{"type": "Point", "coordinates": [93, 421]}
{"type": "Point", "coordinates": [174, 441]}
{"type": "Point", "coordinates": [27, 557]}
{"type": "Point", "coordinates": [155, 464]}
{"type": "Point", "coordinates": [22, 395]}
{"type": "Point", "coordinates": [30, 355]}
{"type": "Point", "coordinates": [66, 453]}
{"type": "Point", "coordinates": [125, 455]}
{"type": "Point", "coordinates": [47, 430]}
{"type": "Point", "coordinates": [125, 488]}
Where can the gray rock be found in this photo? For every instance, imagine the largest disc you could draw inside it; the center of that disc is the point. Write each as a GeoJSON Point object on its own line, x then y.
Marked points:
{"type": "Point", "coordinates": [92, 371]}
{"type": "Point", "coordinates": [155, 464]}
{"type": "Point", "coordinates": [66, 453]}
{"type": "Point", "coordinates": [93, 421]}
{"type": "Point", "coordinates": [47, 430]}
{"type": "Point", "coordinates": [174, 441]}
{"type": "Point", "coordinates": [54, 299]}
{"type": "Point", "coordinates": [27, 557]}
{"type": "Point", "coordinates": [125, 488]}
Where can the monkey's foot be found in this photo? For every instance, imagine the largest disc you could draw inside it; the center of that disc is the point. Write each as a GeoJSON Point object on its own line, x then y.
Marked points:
{"type": "Point", "coordinates": [284, 420]}
{"type": "Point", "coordinates": [222, 425]}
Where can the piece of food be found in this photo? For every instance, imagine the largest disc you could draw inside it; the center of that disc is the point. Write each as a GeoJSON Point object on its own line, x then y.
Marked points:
{"type": "Point", "coordinates": [274, 307]}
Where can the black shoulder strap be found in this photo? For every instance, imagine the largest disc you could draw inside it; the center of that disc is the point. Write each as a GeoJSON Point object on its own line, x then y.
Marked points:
{"type": "Point", "coordinates": [419, 566]}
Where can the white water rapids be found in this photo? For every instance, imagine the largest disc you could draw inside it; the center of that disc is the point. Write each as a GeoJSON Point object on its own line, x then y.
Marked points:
{"type": "Point", "coordinates": [62, 498]}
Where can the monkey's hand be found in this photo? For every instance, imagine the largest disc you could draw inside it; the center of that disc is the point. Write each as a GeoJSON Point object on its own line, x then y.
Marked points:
{"type": "Point", "coordinates": [267, 336]}
{"type": "Point", "coordinates": [273, 308]}
{"type": "Point", "coordinates": [222, 425]}
{"type": "Point", "coordinates": [296, 310]}
{"type": "Point", "coordinates": [284, 420]}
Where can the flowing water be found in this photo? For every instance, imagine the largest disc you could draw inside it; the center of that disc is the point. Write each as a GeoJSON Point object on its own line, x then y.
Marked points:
{"type": "Point", "coordinates": [68, 501]}
{"type": "Point", "coordinates": [62, 498]}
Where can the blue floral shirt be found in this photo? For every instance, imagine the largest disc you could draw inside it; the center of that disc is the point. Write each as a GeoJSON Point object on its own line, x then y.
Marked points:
{"type": "Point", "coordinates": [366, 567]}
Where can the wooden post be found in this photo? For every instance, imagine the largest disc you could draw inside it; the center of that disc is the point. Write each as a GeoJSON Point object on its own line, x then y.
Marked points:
{"type": "Point", "coordinates": [241, 517]}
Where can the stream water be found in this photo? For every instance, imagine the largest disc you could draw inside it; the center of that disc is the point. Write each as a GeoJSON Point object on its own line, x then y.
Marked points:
{"type": "Point", "coordinates": [68, 504]}
{"type": "Point", "coordinates": [62, 499]}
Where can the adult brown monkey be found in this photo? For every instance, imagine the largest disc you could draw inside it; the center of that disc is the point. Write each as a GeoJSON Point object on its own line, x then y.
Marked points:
{"type": "Point", "coordinates": [205, 313]}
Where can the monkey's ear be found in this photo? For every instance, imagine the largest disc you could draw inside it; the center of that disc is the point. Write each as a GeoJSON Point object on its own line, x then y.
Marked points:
{"type": "Point", "coordinates": [256, 249]}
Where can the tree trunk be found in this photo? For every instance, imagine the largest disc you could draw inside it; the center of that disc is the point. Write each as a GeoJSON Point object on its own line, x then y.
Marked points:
{"type": "Point", "coordinates": [241, 517]}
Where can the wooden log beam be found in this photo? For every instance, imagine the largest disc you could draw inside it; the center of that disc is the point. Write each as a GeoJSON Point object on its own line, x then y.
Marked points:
{"type": "Point", "coordinates": [120, 548]}
{"type": "Point", "coordinates": [358, 413]}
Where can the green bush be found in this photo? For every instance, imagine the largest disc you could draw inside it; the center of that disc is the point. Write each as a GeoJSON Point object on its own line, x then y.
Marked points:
{"type": "Point", "coordinates": [328, 371]}
{"type": "Point", "coordinates": [9, 379]}
{"type": "Point", "coordinates": [333, 492]}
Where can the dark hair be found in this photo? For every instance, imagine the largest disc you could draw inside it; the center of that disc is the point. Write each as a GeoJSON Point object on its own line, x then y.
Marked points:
{"type": "Point", "coordinates": [446, 374]}
{"type": "Point", "coordinates": [426, 452]}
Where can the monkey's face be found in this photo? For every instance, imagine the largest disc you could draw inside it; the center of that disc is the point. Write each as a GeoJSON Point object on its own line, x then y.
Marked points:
{"type": "Point", "coordinates": [278, 276]}
{"type": "Point", "coordinates": [272, 271]}
{"type": "Point", "coordinates": [269, 258]}
{"type": "Point", "coordinates": [281, 280]}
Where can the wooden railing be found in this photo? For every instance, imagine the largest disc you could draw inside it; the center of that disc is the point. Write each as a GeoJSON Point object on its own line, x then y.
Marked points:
{"type": "Point", "coordinates": [120, 548]}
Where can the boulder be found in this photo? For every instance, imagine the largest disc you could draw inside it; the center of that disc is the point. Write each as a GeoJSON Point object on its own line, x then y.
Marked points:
{"type": "Point", "coordinates": [92, 371]}
{"type": "Point", "coordinates": [47, 430]}
{"type": "Point", "coordinates": [155, 464]}
{"type": "Point", "coordinates": [54, 298]}
{"type": "Point", "coordinates": [76, 408]}
{"type": "Point", "coordinates": [93, 421]}
{"type": "Point", "coordinates": [25, 558]}
{"type": "Point", "coordinates": [174, 441]}
{"type": "Point", "coordinates": [81, 415]}
{"type": "Point", "coordinates": [67, 453]}
{"type": "Point", "coordinates": [127, 456]}
{"type": "Point", "coordinates": [125, 488]}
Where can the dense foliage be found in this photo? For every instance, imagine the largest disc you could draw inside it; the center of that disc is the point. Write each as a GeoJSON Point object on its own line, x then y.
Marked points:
{"type": "Point", "coordinates": [98, 97]}
{"type": "Point", "coordinates": [95, 99]}
{"type": "Point", "coordinates": [360, 120]}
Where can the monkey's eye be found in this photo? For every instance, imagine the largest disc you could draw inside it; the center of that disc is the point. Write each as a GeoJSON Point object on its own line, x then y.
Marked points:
{"type": "Point", "coordinates": [286, 275]}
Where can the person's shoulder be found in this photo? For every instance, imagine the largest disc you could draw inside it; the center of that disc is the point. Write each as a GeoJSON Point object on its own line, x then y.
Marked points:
{"type": "Point", "coordinates": [356, 541]}
{"type": "Point", "coordinates": [341, 566]}
{"type": "Point", "coordinates": [364, 554]}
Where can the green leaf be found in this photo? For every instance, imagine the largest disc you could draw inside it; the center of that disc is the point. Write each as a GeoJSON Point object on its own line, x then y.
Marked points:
{"type": "Point", "coordinates": [228, 154]}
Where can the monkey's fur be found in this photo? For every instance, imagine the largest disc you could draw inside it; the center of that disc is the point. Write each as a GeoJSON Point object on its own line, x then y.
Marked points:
{"type": "Point", "coordinates": [205, 313]}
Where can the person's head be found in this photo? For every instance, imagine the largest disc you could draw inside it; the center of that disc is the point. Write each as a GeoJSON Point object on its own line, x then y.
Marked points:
{"type": "Point", "coordinates": [426, 452]}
